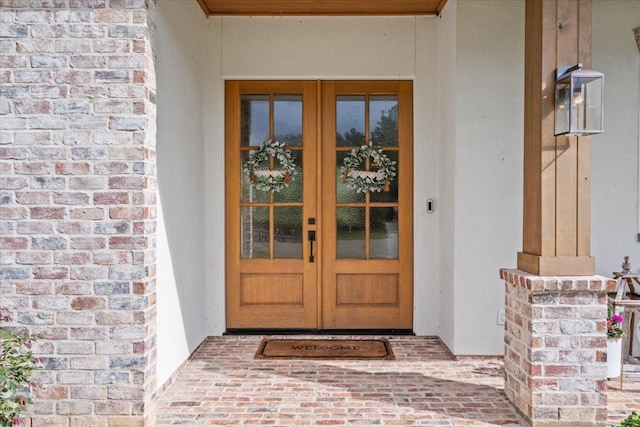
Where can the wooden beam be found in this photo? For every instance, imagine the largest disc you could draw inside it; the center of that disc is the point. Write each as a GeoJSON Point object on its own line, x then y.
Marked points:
{"type": "Point", "coordinates": [557, 188]}
{"type": "Point", "coordinates": [321, 7]}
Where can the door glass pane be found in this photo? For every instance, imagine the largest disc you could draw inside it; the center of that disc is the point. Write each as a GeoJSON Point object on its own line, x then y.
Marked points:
{"type": "Point", "coordinates": [344, 193]}
{"type": "Point", "coordinates": [249, 192]}
{"type": "Point", "coordinates": [288, 232]}
{"type": "Point", "coordinates": [350, 233]}
{"type": "Point", "coordinates": [350, 123]}
{"type": "Point", "coordinates": [392, 194]}
{"type": "Point", "coordinates": [255, 232]}
{"type": "Point", "coordinates": [293, 192]}
{"type": "Point", "coordinates": [254, 119]}
{"type": "Point", "coordinates": [383, 225]}
{"type": "Point", "coordinates": [287, 119]}
{"type": "Point", "coordinates": [383, 120]}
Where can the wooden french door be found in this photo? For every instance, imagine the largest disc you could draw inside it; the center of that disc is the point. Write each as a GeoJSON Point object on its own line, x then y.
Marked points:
{"type": "Point", "coordinates": [319, 230]}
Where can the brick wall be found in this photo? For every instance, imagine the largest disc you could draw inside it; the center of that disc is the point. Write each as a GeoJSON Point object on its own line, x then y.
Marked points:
{"type": "Point", "coordinates": [555, 348]}
{"type": "Point", "coordinates": [77, 203]}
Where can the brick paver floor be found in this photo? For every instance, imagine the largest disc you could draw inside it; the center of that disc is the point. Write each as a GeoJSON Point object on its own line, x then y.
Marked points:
{"type": "Point", "coordinates": [424, 386]}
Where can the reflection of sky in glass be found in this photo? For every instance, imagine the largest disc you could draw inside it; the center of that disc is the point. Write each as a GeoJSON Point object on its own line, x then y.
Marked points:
{"type": "Point", "coordinates": [288, 119]}
{"type": "Point", "coordinates": [259, 122]}
{"type": "Point", "coordinates": [350, 113]}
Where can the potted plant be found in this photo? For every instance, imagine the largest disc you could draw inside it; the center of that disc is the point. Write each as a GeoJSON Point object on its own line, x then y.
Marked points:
{"type": "Point", "coordinates": [614, 344]}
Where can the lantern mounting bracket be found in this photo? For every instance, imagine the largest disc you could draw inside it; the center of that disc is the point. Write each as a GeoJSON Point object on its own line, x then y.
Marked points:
{"type": "Point", "coordinates": [566, 69]}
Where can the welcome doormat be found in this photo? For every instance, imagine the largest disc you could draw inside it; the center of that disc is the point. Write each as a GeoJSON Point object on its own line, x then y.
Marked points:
{"type": "Point", "coordinates": [277, 348]}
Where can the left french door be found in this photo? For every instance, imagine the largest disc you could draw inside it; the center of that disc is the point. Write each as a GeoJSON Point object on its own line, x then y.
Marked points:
{"type": "Point", "coordinates": [271, 276]}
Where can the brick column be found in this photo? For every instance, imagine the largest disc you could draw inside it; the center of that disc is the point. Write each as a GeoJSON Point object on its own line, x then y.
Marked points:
{"type": "Point", "coordinates": [77, 203]}
{"type": "Point", "coordinates": [555, 348]}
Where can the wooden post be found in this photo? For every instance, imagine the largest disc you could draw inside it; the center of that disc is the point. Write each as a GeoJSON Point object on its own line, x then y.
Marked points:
{"type": "Point", "coordinates": [557, 170]}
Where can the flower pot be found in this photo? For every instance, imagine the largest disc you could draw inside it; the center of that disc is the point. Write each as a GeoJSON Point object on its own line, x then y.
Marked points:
{"type": "Point", "coordinates": [614, 357]}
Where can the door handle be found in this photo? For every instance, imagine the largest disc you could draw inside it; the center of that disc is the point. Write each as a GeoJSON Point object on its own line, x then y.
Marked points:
{"type": "Point", "coordinates": [311, 236]}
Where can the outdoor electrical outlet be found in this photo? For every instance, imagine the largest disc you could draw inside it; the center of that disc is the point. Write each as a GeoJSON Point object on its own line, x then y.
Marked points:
{"type": "Point", "coordinates": [501, 316]}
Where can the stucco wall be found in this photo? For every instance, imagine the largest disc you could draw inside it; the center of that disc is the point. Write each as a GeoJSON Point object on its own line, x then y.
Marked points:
{"type": "Point", "coordinates": [445, 206]}
{"type": "Point", "coordinates": [181, 284]}
{"type": "Point", "coordinates": [488, 166]}
{"type": "Point", "coordinates": [467, 67]}
{"type": "Point", "coordinates": [615, 152]}
{"type": "Point", "coordinates": [426, 151]}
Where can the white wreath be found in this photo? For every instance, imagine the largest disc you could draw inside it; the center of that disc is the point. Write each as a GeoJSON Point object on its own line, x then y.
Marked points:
{"type": "Point", "coordinates": [368, 180]}
{"type": "Point", "coordinates": [260, 172]}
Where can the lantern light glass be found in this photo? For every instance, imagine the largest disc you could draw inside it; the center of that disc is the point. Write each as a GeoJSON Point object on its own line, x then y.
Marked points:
{"type": "Point", "coordinates": [578, 101]}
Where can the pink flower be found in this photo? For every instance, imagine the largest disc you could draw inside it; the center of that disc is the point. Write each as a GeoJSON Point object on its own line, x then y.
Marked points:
{"type": "Point", "coordinates": [22, 400]}
{"type": "Point", "coordinates": [16, 421]}
{"type": "Point", "coordinates": [617, 319]}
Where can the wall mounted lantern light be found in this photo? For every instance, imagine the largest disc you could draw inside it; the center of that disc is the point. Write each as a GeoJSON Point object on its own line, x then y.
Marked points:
{"type": "Point", "coordinates": [579, 98]}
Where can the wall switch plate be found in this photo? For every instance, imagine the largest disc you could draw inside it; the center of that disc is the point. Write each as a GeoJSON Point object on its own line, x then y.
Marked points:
{"type": "Point", "coordinates": [501, 316]}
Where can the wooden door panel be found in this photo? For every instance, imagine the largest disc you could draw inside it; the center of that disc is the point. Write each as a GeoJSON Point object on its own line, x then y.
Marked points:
{"type": "Point", "coordinates": [367, 289]}
{"type": "Point", "coordinates": [283, 289]}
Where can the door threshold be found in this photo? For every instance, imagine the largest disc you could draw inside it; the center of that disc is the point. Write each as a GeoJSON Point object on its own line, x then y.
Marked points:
{"type": "Point", "coordinates": [319, 332]}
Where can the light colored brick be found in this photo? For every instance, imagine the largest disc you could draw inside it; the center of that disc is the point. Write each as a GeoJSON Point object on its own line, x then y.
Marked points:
{"type": "Point", "coordinates": [88, 421]}
{"type": "Point", "coordinates": [74, 77]}
{"type": "Point", "coordinates": [85, 31]}
{"type": "Point", "coordinates": [72, 258]}
{"type": "Point", "coordinates": [87, 213]}
{"type": "Point", "coordinates": [49, 61]}
{"type": "Point", "coordinates": [87, 392]}
{"type": "Point", "coordinates": [33, 107]}
{"type": "Point", "coordinates": [33, 76]}
{"type": "Point", "coordinates": [73, 74]}
{"type": "Point", "coordinates": [73, 47]}
{"type": "Point", "coordinates": [74, 318]}
{"type": "Point", "coordinates": [75, 347]}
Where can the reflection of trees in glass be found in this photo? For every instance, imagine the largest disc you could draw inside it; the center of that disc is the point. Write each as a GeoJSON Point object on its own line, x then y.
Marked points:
{"type": "Point", "coordinates": [290, 139]}
{"type": "Point", "coordinates": [386, 131]}
{"type": "Point", "coordinates": [350, 220]}
{"type": "Point", "coordinates": [290, 218]}
{"type": "Point", "coordinates": [288, 223]}
{"type": "Point", "coordinates": [352, 137]}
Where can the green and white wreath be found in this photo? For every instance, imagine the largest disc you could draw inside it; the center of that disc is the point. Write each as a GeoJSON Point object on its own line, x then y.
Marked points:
{"type": "Point", "coordinates": [368, 180]}
{"type": "Point", "coordinates": [260, 171]}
